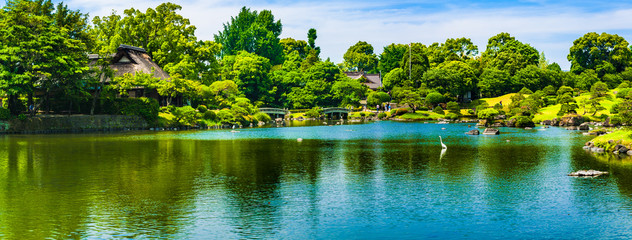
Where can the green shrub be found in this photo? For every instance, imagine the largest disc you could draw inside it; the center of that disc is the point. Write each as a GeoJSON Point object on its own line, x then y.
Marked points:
{"type": "Point", "coordinates": [147, 108]}
{"type": "Point", "coordinates": [210, 115]}
{"type": "Point", "coordinates": [616, 120]}
{"type": "Point", "coordinates": [313, 113]}
{"type": "Point", "coordinates": [184, 116]}
{"type": "Point", "coordinates": [399, 111]}
{"type": "Point", "coordinates": [438, 110]}
{"type": "Point", "coordinates": [22, 116]}
{"type": "Point", "coordinates": [382, 115]}
{"type": "Point", "coordinates": [525, 91]}
{"type": "Point", "coordinates": [471, 111]}
{"type": "Point", "coordinates": [623, 92]}
{"type": "Point", "coordinates": [523, 121]}
{"type": "Point", "coordinates": [362, 114]}
{"type": "Point", "coordinates": [452, 116]}
{"type": "Point", "coordinates": [453, 107]}
{"type": "Point", "coordinates": [5, 114]}
{"type": "Point", "coordinates": [226, 116]}
{"type": "Point", "coordinates": [262, 117]}
{"type": "Point", "coordinates": [434, 98]}
{"type": "Point", "coordinates": [202, 109]}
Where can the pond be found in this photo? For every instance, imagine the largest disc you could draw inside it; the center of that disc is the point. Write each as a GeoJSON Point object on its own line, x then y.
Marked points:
{"type": "Point", "coordinates": [363, 181]}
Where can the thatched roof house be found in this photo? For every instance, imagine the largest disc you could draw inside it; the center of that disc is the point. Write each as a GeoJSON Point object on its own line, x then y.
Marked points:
{"type": "Point", "coordinates": [373, 81]}
{"type": "Point", "coordinates": [130, 59]}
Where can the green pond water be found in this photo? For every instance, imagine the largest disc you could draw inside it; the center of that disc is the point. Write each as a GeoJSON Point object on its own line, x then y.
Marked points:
{"type": "Point", "coordinates": [379, 180]}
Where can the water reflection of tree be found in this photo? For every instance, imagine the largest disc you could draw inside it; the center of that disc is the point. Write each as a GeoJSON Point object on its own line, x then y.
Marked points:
{"type": "Point", "coordinates": [69, 187]}
{"type": "Point", "coordinates": [619, 167]}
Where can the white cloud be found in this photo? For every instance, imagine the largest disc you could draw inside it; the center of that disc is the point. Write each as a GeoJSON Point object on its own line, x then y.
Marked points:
{"type": "Point", "coordinates": [549, 28]}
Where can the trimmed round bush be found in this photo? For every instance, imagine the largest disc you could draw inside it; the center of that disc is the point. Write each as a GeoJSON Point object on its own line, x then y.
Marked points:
{"type": "Point", "coordinates": [452, 116]}
{"type": "Point", "coordinates": [202, 109]}
{"type": "Point", "coordinates": [382, 115]}
{"type": "Point", "coordinates": [438, 110]}
{"type": "Point", "coordinates": [522, 121]}
{"type": "Point", "coordinates": [210, 115]}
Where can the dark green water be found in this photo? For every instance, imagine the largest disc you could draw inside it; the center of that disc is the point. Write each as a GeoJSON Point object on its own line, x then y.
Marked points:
{"type": "Point", "coordinates": [369, 181]}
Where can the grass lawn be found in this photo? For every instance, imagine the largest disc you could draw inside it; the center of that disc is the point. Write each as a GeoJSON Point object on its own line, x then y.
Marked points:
{"type": "Point", "coordinates": [421, 115]}
{"type": "Point", "coordinates": [550, 112]}
{"type": "Point", "coordinates": [625, 136]}
{"type": "Point", "coordinates": [506, 99]}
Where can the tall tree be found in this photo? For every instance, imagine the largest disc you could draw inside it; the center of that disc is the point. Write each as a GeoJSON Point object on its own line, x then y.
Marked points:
{"type": "Point", "coordinates": [253, 32]}
{"type": "Point", "coordinates": [360, 57]}
{"type": "Point", "coordinates": [391, 57]}
{"type": "Point", "coordinates": [603, 53]}
{"type": "Point", "coordinates": [41, 47]}
{"type": "Point", "coordinates": [415, 63]}
{"type": "Point", "coordinates": [459, 49]}
{"type": "Point", "coordinates": [506, 53]}
{"type": "Point", "coordinates": [167, 37]}
{"type": "Point", "coordinates": [250, 72]}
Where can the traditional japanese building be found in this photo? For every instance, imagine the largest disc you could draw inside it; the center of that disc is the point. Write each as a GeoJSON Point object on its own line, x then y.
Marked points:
{"type": "Point", "coordinates": [373, 81]}
{"type": "Point", "coordinates": [129, 59]}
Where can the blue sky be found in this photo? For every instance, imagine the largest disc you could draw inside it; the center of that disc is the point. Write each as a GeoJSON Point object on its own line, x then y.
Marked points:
{"type": "Point", "coordinates": [549, 26]}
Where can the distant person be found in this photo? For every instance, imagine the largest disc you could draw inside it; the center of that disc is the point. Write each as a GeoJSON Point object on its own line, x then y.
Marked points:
{"type": "Point", "coordinates": [377, 107]}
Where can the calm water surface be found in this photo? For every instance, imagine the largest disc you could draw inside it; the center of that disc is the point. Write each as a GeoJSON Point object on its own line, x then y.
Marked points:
{"type": "Point", "coordinates": [369, 181]}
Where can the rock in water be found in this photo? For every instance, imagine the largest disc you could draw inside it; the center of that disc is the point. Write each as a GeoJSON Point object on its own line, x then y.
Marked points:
{"type": "Point", "coordinates": [587, 173]}
{"type": "Point", "coordinates": [473, 132]}
{"type": "Point", "coordinates": [491, 131]}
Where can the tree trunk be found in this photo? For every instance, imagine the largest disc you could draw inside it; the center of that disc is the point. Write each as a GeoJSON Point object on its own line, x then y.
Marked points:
{"type": "Point", "coordinates": [70, 108]}
{"type": "Point", "coordinates": [94, 101]}
{"type": "Point", "coordinates": [14, 105]}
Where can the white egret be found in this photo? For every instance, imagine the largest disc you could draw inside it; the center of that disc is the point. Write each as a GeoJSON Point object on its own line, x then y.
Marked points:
{"type": "Point", "coordinates": [443, 146]}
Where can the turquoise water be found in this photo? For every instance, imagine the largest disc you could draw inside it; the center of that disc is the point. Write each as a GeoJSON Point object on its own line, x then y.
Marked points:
{"type": "Point", "coordinates": [364, 181]}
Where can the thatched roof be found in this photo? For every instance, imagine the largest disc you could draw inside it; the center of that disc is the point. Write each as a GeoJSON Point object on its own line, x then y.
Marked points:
{"type": "Point", "coordinates": [129, 59]}
{"type": "Point", "coordinates": [373, 81]}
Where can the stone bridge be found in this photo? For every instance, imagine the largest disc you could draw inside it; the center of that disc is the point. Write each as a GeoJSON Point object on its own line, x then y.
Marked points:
{"type": "Point", "coordinates": [336, 113]}
{"type": "Point", "coordinates": [275, 112]}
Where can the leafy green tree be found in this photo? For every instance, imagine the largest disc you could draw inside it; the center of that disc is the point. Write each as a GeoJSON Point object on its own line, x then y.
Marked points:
{"type": "Point", "coordinates": [586, 79]}
{"type": "Point", "coordinates": [565, 98]}
{"type": "Point", "coordinates": [415, 63]}
{"type": "Point", "coordinates": [220, 94]}
{"type": "Point", "coordinates": [453, 77]}
{"type": "Point", "coordinates": [167, 37]}
{"type": "Point", "coordinates": [348, 92]}
{"type": "Point", "coordinates": [391, 57]}
{"type": "Point", "coordinates": [254, 32]}
{"type": "Point", "coordinates": [453, 107]}
{"type": "Point", "coordinates": [459, 49]}
{"type": "Point", "coordinates": [530, 77]}
{"type": "Point", "coordinates": [409, 97]}
{"type": "Point", "coordinates": [603, 53]}
{"type": "Point", "coordinates": [506, 53]}
{"type": "Point", "coordinates": [373, 98]}
{"type": "Point", "coordinates": [250, 73]}
{"type": "Point", "coordinates": [42, 47]}
{"type": "Point", "coordinates": [434, 98]}
{"type": "Point", "coordinates": [291, 45]}
{"type": "Point", "coordinates": [599, 90]}
{"type": "Point", "coordinates": [312, 35]}
{"type": "Point", "coordinates": [494, 82]}
{"type": "Point", "coordinates": [396, 78]}
{"type": "Point", "coordinates": [488, 114]}
{"type": "Point", "coordinates": [360, 57]}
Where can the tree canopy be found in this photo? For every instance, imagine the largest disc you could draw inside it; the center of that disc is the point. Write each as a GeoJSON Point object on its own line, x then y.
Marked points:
{"type": "Point", "coordinates": [253, 32]}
